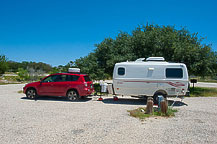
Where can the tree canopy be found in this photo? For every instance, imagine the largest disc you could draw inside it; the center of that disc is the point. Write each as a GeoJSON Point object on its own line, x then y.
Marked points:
{"type": "Point", "coordinates": [3, 64]}
{"type": "Point", "coordinates": [151, 40]}
{"type": "Point", "coordinates": [40, 66]}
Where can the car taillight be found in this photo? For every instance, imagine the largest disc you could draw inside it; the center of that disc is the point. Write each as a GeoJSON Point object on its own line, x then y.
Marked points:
{"type": "Point", "coordinates": [85, 84]}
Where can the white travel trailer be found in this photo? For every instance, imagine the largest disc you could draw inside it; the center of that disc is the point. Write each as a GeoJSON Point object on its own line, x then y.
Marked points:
{"type": "Point", "coordinates": [152, 77]}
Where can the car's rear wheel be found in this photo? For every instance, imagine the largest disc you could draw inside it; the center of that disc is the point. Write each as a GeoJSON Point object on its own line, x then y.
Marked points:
{"type": "Point", "coordinates": [72, 95]}
{"type": "Point", "coordinates": [31, 93]}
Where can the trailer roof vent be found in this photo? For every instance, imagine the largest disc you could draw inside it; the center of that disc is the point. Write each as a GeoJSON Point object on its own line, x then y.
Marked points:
{"type": "Point", "coordinates": [140, 60]}
{"type": "Point", "coordinates": [155, 59]}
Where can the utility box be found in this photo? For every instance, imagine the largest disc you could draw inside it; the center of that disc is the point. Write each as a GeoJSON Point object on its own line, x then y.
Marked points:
{"type": "Point", "coordinates": [110, 88]}
{"type": "Point", "coordinates": [104, 87]}
{"type": "Point", "coordinates": [160, 98]}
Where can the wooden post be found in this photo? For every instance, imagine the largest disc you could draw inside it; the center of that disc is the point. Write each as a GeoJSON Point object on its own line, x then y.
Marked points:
{"type": "Point", "coordinates": [149, 107]}
{"type": "Point", "coordinates": [163, 106]}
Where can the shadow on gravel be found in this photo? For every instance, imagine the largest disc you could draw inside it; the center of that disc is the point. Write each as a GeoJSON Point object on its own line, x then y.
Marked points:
{"type": "Point", "coordinates": [128, 101]}
{"type": "Point", "coordinates": [177, 103]}
{"type": "Point", "coordinates": [61, 99]}
{"type": "Point", "coordinates": [125, 101]}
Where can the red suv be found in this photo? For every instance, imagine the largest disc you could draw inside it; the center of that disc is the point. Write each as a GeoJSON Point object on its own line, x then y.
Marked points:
{"type": "Point", "coordinates": [71, 85]}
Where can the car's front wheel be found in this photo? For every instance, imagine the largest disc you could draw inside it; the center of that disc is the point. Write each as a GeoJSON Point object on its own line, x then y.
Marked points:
{"type": "Point", "coordinates": [72, 95]}
{"type": "Point", "coordinates": [31, 93]}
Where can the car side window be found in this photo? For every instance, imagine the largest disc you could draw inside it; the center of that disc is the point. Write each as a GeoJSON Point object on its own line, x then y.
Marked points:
{"type": "Point", "coordinates": [61, 78]}
{"type": "Point", "coordinates": [72, 78]}
{"type": "Point", "coordinates": [53, 78]}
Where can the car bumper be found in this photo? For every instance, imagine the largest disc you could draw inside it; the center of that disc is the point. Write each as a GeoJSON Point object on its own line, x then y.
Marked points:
{"type": "Point", "coordinates": [86, 92]}
{"type": "Point", "coordinates": [24, 90]}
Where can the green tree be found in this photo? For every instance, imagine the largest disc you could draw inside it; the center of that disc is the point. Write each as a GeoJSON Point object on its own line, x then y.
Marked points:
{"type": "Point", "coordinates": [151, 40]}
{"type": "Point", "coordinates": [13, 66]}
{"type": "Point", "coordinates": [23, 74]}
{"type": "Point", "coordinates": [3, 64]}
{"type": "Point", "coordinates": [90, 66]}
{"type": "Point", "coordinates": [54, 70]}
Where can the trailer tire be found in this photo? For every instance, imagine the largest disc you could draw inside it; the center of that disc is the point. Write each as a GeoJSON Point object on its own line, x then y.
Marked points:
{"type": "Point", "coordinates": [156, 96]}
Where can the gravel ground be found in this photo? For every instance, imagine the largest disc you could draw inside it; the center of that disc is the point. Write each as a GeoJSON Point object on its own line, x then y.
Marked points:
{"type": "Point", "coordinates": [55, 120]}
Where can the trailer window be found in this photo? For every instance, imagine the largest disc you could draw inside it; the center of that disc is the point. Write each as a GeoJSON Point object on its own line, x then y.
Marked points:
{"type": "Point", "coordinates": [174, 73]}
{"type": "Point", "coordinates": [121, 71]}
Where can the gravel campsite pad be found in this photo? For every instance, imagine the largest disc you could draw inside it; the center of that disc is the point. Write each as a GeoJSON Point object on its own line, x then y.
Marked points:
{"type": "Point", "coordinates": [56, 120]}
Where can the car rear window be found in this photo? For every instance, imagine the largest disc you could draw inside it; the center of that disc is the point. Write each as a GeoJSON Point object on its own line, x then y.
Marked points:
{"type": "Point", "coordinates": [86, 78]}
{"type": "Point", "coordinates": [174, 73]}
{"type": "Point", "coordinates": [72, 78]}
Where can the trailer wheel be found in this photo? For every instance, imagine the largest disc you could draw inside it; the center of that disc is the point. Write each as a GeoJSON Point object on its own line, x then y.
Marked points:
{"type": "Point", "coordinates": [155, 97]}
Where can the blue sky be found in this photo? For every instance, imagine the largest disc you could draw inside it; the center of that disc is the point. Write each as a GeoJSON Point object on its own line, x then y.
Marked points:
{"type": "Point", "coordinates": [58, 31]}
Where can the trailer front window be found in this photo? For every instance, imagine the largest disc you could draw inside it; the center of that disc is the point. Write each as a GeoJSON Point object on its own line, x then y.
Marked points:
{"type": "Point", "coordinates": [121, 71]}
{"type": "Point", "coordinates": [174, 73]}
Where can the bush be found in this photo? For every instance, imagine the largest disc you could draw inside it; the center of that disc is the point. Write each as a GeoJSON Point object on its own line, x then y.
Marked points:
{"type": "Point", "coordinates": [23, 75]}
{"type": "Point", "coordinates": [97, 88]}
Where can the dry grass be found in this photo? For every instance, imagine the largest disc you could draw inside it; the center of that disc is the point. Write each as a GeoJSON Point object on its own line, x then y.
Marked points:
{"type": "Point", "coordinates": [203, 92]}
{"type": "Point", "coordinates": [20, 91]}
{"type": "Point", "coordinates": [140, 113]}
